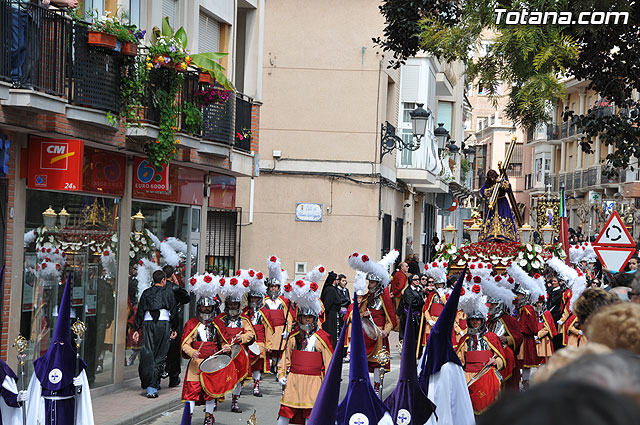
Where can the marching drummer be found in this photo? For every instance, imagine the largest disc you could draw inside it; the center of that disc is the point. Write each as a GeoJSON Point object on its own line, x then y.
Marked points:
{"type": "Point", "coordinates": [235, 329]}
{"type": "Point", "coordinates": [255, 312]}
{"type": "Point", "coordinates": [306, 357]}
{"type": "Point", "coordinates": [199, 342]}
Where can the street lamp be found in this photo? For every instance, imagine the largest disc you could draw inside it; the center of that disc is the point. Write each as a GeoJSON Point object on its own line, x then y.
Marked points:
{"type": "Point", "coordinates": [449, 234]}
{"type": "Point", "coordinates": [525, 234]}
{"type": "Point", "coordinates": [64, 217]}
{"type": "Point", "coordinates": [49, 218]}
{"type": "Point", "coordinates": [547, 234]}
{"type": "Point", "coordinates": [442, 135]}
{"type": "Point", "coordinates": [419, 121]}
{"type": "Point", "coordinates": [470, 153]}
{"type": "Point", "coordinates": [138, 222]}
{"type": "Point", "coordinates": [453, 148]}
{"type": "Point", "coordinates": [389, 139]}
{"type": "Point", "coordinates": [474, 231]}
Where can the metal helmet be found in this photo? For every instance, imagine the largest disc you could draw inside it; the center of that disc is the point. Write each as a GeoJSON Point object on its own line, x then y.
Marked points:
{"type": "Point", "coordinates": [524, 296]}
{"type": "Point", "coordinates": [307, 311]}
{"type": "Point", "coordinates": [498, 310]}
{"type": "Point", "coordinates": [205, 302]}
{"type": "Point", "coordinates": [232, 299]}
{"type": "Point", "coordinates": [540, 309]}
{"type": "Point", "coordinates": [480, 330]}
{"type": "Point", "coordinates": [259, 304]}
{"type": "Point", "coordinates": [270, 293]}
{"type": "Point", "coordinates": [375, 278]}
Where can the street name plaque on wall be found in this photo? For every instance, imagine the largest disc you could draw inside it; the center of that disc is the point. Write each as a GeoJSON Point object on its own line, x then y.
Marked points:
{"type": "Point", "coordinates": [308, 212]}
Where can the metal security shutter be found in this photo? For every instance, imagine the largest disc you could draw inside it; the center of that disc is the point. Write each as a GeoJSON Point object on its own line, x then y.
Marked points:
{"type": "Point", "coordinates": [445, 110]}
{"type": "Point", "coordinates": [208, 34]}
{"type": "Point", "coordinates": [169, 9]}
{"type": "Point", "coordinates": [410, 79]}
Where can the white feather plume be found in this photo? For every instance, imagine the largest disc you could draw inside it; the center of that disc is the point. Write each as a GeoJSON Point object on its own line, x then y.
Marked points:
{"type": "Point", "coordinates": [437, 270]}
{"type": "Point", "coordinates": [471, 302]}
{"type": "Point", "coordinates": [154, 238]}
{"type": "Point", "coordinates": [146, 268]}
{"type": "Point", "coordinates": [170, 255]}
{"type": "Point", "coordinates": [493, 289]}
{"type": "Point", "coordinates": [274, 265]}
{"type": "Point", "coordinates": [360, 283]}
{"type": "Point", "coordinates": [109, 262]}
{"type": "Point", "coordinates": [576, 280]}
{"type": "Point", "coordinates": [305, 294]}
{"type": "Point", "coordinates": [380, 269]}
{"type": "Point", "coordinates": [29, 237]}
{"type": "Point", "coordinates": [535, 286]}
{"type": "Point", "coordinates": [317, 274]}
{"type": "Point", "coordinates": [204, 285]}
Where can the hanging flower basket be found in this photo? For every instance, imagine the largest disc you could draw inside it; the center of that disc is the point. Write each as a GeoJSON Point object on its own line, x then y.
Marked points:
{"type": "Point", "coordinates": [129, 49]}
{"type": "Point", "coordinates": [101, 39]}
{"type": "Point", "coordinates": [205, 78]}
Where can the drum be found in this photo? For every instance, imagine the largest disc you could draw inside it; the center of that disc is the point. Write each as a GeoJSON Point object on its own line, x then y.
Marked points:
{"type": "Point", "coordinates": [370, 329]}
{"type": "Point", "coordinates": [215, 363]}
{"type": "Point", "coordinates": [254, 349]}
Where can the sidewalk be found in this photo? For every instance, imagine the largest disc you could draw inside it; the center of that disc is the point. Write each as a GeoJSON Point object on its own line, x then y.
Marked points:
{"type": "Point", "coordinates": [129, 406]}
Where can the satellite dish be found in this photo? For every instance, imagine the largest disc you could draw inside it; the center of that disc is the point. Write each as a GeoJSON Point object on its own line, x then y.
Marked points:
{"type": "Point", "coordinates": [444, 201]}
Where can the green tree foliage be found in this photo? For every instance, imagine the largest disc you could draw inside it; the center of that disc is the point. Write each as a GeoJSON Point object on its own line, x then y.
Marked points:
{"type": "Point", "coordinates": [532, 59]}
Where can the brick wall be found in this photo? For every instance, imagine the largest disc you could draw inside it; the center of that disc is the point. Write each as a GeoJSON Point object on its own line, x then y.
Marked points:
{"type": "Point", "coordinates": [255, 127]}
{"type": "Point", "coordinates": [6, 296]}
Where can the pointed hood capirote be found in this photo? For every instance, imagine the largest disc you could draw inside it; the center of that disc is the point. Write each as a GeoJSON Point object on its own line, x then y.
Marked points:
{"type": "Point", "coordinates": [440, 348]}
{"type": "Point", "coordinates": [186, 415]}
{"type": "Point", "coordinates": [361, 397]}
{"type": "Point", "coordinates": [57, 367]}
{"type": "Point", "coordinates": [325, 408]}
{"type": "Point", "coordinates": [408, 395]}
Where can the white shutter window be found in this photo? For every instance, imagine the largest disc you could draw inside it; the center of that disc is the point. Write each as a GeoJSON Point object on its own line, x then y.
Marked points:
{"type": "Point", "coordinates": [169, 9]}
{"type": "Point", "coordinates": [410, 82]}
{"type": "Point", "coordinates": [445, 110]}
{"type": "Point", "coordinates": [208, 34]}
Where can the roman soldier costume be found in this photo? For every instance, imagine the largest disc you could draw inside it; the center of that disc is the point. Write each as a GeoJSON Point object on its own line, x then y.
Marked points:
{"type": "Point", "coordinates": [480, 352]}
{"type": "Point", "coordinates": [379, 304]}
{"type": "Point", "coordinates": [278, 317]}
{"type": "Point", "coordinates": [546, 331]}
{"type": "Point", "coordinates": [306, 356]}
{"type": "Point", "coordinates": [255, 313]}
{"type": "Point", "coordinates": [507, 329]}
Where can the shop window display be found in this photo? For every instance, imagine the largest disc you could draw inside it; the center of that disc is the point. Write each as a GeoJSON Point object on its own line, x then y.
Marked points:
{"type": "Point", "coordinates": [164, 234]}
{"type": "Point", "coordinates": [76, 234]}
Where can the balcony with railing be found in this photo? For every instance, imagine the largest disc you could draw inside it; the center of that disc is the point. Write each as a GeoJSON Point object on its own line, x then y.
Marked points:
{"type": "Point", "coordinates": [64, 74]}
{"type": "Point", "coordinates": [550, 182]}
{"type": "Point", "coordinates": [553, 132]}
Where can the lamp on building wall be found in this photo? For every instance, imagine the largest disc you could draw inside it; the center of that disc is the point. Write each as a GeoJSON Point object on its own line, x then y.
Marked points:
{"type": "Point", "coordinates": [547, 234]}
{"type": "Point", "coordinates": [453, 148]}
{"type": "Point", "coordinates": [391, 141]}
{"type": "Point", "coordinates": [138, 222]}
{"type": "Point", "coordinates": [64, 217]}
{"type": "Point", "coordinates": [449, 234]}
{"type": "Point", "coordinates": [474, 231]}
{"type": "Point", "coordinates": [49, 218]}
{"type": "Point", "coordinates": [525, 234]}
{"type": "Point", "coordinates": [442, 135]}
{"type": "Point", "coordinates": [470, 153]}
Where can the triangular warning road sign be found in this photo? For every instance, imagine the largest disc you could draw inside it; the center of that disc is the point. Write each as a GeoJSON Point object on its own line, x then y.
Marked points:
{"type": "Point", "coordinates": [614, 259]}
{"type": "Point", "coordinates": [614, 233]}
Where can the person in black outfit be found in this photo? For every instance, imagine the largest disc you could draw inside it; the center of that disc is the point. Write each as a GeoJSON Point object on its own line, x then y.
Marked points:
{"type": "Point", "coordinates": [172, 364]}
{"type": "Point", "coordinates": [345, 299]}
{"type": "Point", "coordinates": [332, 303]}
{"type": "Point", "coordinates": [412, 298]}
{"type": "Point", "coordinates": [156, 317]}
{"type": "Point", "coordinates": [555, 307]}
{"type": "Point", "coordinates": [414, 265]}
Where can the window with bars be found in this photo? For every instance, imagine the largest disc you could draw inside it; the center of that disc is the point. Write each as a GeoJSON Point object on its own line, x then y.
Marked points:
{"type": "Point", "coordinates": [222, 241]}
{"type": "Point", "coordinates": [515, 167]}
{"type": "Point", "coordinates": [208, 34]}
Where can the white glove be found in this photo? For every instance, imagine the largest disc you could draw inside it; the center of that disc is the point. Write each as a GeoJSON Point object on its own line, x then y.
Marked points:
{"type": "Point", "coordinates": [432, 323]}
{"type": "Point", "coordinates": [559, 322]}
{"type": "Point", "coordinates": [283, 381]}
{"type": "Point", "coordinates": [535, 337]}
{"type": "Point", "coordinates": [23, 396]}
{"type": "Point", "coordinates": [580, 333]}
{"type": "Point", "coordinates": [285, 334]}
{"type": "Point", "coordinates": [77, 381]}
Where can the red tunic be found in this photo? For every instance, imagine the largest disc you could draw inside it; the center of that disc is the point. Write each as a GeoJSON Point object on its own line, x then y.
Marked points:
{"type": "Point", "coordinates": [528, 356]}
{"type": "Point", "coordinates": [398, 283]}
{"type": "Point", "coordinates": [511, 373]}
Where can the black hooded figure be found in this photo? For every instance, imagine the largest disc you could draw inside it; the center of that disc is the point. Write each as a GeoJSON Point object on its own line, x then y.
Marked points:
{"type": "Point", "coordinates": [332, 303]}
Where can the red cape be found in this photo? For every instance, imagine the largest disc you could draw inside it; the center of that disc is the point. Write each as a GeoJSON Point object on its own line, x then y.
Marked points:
{"type": "Point", "coordinates": [388, 306]}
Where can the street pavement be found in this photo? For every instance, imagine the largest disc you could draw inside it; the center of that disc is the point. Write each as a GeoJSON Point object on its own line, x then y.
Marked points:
{"type": "Point", "coordinates": [266, 407]}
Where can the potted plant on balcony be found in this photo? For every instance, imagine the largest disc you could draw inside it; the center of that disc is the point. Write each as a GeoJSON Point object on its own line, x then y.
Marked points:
{"type": "Point", "coordinates": [130, 37]}
{"type": "Point", "coordinates": [211, 95]}
{"type": "Point", "coordinates": [103, 31]}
